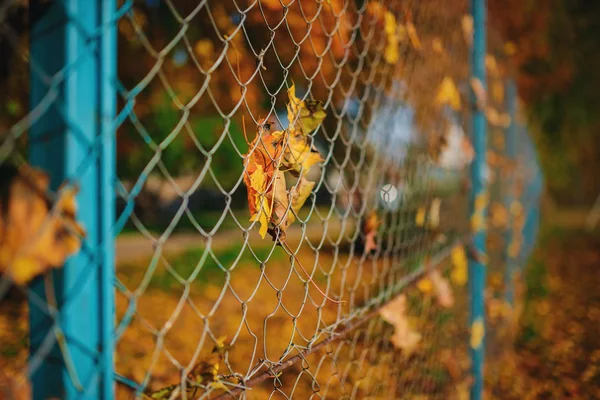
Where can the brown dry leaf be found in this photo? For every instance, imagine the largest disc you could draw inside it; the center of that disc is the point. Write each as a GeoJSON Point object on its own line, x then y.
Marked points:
{"type": "Point", "coordinates": [281, 203]}
{"type": "Point", "coordinates": [437, 45]}
{"type": "Point", "coordinates": [262, 161]}
{"type": "Point", "coordinates": [442, 289]}
{"type": "Point", "coordinates": [34, 237]}
{"type": "Point", "coordinates": [492, 65]}
{"type": "Point", "coordinates": [468, 29]}
{"type": "Point", "coordinates": [404, 337]}
{"type": "Point", "coordinates": [205, 373]}
{"type": "Point", "coordinates": [434, 213]}
{"type": "Point", "coordinates": [274, 153]}
{"type": "Point", "coordinates": [370, 230]}
{"type": "Point", "coordinates": [499, 215]}
{"type": "Point", "coordinates": [480, 93]}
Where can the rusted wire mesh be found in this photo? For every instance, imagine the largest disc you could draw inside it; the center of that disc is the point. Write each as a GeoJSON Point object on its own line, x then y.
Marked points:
{"type": "Point", "coordinates": [229, 286]}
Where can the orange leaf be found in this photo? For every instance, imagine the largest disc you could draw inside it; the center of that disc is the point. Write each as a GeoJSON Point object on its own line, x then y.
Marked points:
{"type": "Point", "coordinates": [370, 230]}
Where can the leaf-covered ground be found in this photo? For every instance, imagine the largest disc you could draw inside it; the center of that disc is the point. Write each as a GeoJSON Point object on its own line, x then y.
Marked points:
{"type": "Point", "coordinates": [557, 348]}
{"type": "Point", "coordinates": [556, 353]}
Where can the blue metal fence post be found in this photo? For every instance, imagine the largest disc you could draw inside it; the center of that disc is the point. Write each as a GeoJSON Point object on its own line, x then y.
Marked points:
{"type": "Point", "coordinates": [478, 203]}
{"type": "Point", "coordinates": [73, 68]}
{"type": "Point", "coordinates": [511, 153]}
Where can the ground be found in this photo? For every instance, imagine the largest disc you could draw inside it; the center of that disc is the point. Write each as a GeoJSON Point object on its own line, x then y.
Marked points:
{"type": "Point", "coordinates": [556, 351]}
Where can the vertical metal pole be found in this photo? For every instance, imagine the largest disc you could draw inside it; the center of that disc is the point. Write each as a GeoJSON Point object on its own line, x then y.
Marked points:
{"type": "Point", "coordinates": [511, 154]}
{"type": "Point", "coordinates": [73, 67]}
{"type": "Point", "coordinates": [478, 204]}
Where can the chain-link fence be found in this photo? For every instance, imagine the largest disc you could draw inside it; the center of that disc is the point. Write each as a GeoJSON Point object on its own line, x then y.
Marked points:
{"type": "Point", "coordinates": [251, 199]}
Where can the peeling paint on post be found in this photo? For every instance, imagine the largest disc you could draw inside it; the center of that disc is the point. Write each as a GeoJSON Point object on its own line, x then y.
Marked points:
{"type": "Point", "coordinates": [478, 200]}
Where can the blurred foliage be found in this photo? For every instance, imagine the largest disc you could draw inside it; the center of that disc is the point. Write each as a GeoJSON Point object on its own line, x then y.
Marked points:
{"type": "Point", "coordinates": [557, 353]}
{"type": "Point", "coordinates": [559, 80]}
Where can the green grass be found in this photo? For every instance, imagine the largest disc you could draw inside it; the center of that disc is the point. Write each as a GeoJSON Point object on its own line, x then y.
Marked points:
{"type": "Point", "coordinates": [206, 219]}
{"type": "Point", "coordinates": [200, 266]}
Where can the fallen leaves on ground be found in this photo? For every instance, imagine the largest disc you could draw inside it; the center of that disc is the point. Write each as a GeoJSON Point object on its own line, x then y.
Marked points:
{"type": "Point", "coordinates": [405, 337]}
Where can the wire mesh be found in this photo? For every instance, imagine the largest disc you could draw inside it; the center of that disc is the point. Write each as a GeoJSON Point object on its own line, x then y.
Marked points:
{"type": "Point", "coordinates": [337, 270]}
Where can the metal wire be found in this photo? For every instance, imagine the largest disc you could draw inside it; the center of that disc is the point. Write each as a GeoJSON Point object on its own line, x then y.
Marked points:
{"type": "Point", "coordinates": [196, 82]}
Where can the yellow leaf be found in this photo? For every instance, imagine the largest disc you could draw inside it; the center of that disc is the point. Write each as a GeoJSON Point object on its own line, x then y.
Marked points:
{"type": "Point", "coordinates": [468, 29]}
{"type": "Point", "coordinates": [204, 48]}
{"type": "Point", "coordinates": [299, 155]}
{"type": "Point", "coordinates": [516, 208]}
{"type": "Point", "coordinates": [391, 53]}
{"type": "Point", "coordinates": [420, 217]}
{"type": "Point", "coordinates": [460, 270]}
{"type": "Point", "coordinates": [477, 333]}
{"type": "Point", "coordinates": [425, 285]}
{"type": "Point", "coordinates": [437, 45]}
{"type": "Point", "coordinates": [434, 213]}
{"type": "Point", "coordinates": [370, 230]}
{"type": "Point", "coordinates": [23, 269]}
{"type": "Point", "coordinates": [491, 64]}
{"type": "Point", "coordinates": [301, 193]}
{"type": "Point", "coordinates": [498, 91]}
{"type": "Point", "coordinates": [510, 48]}
{"type": "Point", "coordinates": [499, 215]}
{"type": "Point", "coordinates": [261, 203]}
{"type": "Point", "coordinates": [448, 94]}
{"type": "Point", "coordinates": [412, 35]}
{"type": "Point", "coordinates": [304, 116]}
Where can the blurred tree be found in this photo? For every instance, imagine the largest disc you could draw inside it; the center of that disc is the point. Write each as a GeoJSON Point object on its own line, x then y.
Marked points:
{"type": "Point", "coordinates": [559, 79]}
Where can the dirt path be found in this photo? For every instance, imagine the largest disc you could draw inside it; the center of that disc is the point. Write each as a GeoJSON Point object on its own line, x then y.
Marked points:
{"type": "Point", "coordinates": [136, 247]}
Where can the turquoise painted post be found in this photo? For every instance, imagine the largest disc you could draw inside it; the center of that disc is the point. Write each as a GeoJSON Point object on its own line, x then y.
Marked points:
{"type": "Point", "coordinates": [478, 204]}
{"type": "Point", "coordinates": [73, 69]}
{"type": "Point", "coordinates": [511, 154]}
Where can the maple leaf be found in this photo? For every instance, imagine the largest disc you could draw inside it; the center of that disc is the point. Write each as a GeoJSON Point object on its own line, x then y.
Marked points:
{"type": "Point", "coordinates": [304, 115]}
{"type": "Point", "coordinates": [34, 234]}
